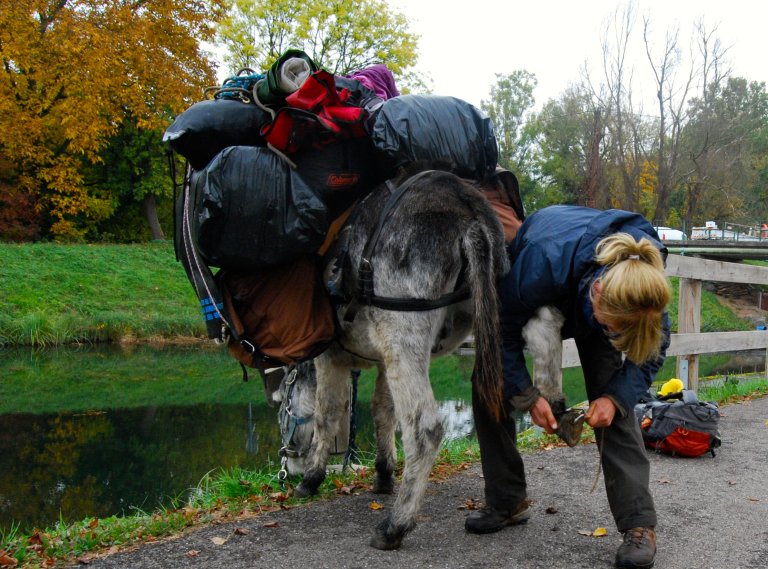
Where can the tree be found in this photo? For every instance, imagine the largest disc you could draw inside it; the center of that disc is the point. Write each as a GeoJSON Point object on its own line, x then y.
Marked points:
{"type": "Point", "coordinates": [626, 140]}
{"type": "Point", "coordinates": [509, 106]}
{"type": "Point", "coordinates": [339, 35]}
{"type": "Point", "coordinates": [671, 99]}
{"type": "Point", "coordinates": [133, 172]}
{"type": "Point", "coordinates": [510, 102]}
{"type": "Point", "coordinates": [725, 141]}
{"type": "Point", "coordinates": [568, 134]}
{"type": "Point", "coordinates": [73, 70]}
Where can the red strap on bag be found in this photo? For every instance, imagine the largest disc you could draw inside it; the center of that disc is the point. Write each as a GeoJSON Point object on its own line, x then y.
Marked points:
{"type": "Point", "coordinates": [314, 115]}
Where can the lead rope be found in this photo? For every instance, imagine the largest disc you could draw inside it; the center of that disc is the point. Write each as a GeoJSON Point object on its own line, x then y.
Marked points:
{"type": "Point", "coordinates": [599, 460]}
{"type": "Point", "coordinates": [351, 456]}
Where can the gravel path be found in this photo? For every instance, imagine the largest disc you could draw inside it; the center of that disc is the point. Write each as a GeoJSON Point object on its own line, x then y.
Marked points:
{"type": "Point", "coordinates": [713, 514]}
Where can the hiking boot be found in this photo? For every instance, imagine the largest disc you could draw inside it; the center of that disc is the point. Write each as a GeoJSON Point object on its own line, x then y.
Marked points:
{"type": "Point", "coordinates": [570, 425]}
{"type": "Point", "coordinates": [490, 520]}
{"type": "Point", "coordinates": [638, 550]}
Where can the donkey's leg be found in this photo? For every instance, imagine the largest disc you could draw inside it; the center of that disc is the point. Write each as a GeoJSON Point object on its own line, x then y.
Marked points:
{"type": "Point", "coordinates": [421, 432]}
{"type": "Point", "coordinates": [543, 339]}
{"type": "Point", "coordinates": [330, 400]}
{"type": "Point", "coordinates": [385, 423]}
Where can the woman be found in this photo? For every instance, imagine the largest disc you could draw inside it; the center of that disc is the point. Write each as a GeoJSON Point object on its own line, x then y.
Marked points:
{"type": "Point", "coordinates": [604, 271]}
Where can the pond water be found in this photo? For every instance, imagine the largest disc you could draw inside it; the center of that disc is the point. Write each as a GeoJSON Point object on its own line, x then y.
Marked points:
{"type": "Point", "coordinates": [107, 430]}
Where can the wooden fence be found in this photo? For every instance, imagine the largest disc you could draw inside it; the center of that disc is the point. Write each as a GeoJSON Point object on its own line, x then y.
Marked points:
{"type": "Point", "coordinates": [689, 343]}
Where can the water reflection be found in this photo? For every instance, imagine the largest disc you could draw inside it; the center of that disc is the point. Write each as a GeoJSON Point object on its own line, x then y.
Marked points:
{"type": "Point", "coordinates": [75, 463]}
{"type": "Point", "coordinates": [99, 464]}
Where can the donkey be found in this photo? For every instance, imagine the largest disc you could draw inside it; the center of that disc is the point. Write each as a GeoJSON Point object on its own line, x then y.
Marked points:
{"type": "Point", "coordinates": [414, 271]}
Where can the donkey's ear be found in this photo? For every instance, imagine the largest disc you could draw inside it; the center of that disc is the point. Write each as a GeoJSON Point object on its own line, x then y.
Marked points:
{"type": "Point", "coordinates": [273, 377]}
{"type": "Point", "coordinates": [510, 184]}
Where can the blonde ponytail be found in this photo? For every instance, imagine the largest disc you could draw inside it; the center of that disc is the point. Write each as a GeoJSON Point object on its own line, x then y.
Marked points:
{"type": "Point", "coordinates": [634, 294]}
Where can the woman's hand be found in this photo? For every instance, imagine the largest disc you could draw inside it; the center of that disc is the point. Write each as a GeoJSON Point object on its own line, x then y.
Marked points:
{"type": "Point", "coordinates": [601, 412]}
{"type": "Point", "coordinates": [541, 415]}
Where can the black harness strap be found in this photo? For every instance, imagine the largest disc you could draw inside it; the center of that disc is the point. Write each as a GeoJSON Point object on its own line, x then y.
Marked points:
{"type": "Point", "coordinates": [365, 293]}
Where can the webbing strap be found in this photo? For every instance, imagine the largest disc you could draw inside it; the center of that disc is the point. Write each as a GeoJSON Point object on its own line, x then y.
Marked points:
{"type": "Point", "coordinates": [365, 294]}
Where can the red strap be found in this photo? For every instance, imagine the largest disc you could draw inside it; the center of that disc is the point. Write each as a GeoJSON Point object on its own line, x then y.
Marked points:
{"type": "Point", "coordinates": [314, 115]}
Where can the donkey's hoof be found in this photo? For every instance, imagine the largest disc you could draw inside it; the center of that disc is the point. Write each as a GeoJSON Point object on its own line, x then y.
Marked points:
{"type": "Point", "coordinates": [388, 537]}
{"type": "Point", "coordinates": [384, 541]}
{"type": "Point", "coordinates": [310, 483]}
{"type": "Point", "coordinates": [303, 491]}
{"type": "Point", "coordinates": [384, 485]}
{"type": "Point", "coordinates": [570, 425]}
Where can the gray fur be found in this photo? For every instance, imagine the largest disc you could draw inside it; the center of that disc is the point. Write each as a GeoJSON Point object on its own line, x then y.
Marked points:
{"type": "Point", "coordinates": [442, 231]}
{"type": "Point", "coordinates": [543, 340]}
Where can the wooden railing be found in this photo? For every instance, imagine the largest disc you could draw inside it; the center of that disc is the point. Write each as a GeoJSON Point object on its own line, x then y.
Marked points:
{"type": "Point", "coordinates": [689, 343]}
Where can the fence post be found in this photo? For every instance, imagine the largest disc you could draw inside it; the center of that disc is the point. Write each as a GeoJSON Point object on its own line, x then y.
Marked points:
{"type": "Point", "coordinates": [689, 322]}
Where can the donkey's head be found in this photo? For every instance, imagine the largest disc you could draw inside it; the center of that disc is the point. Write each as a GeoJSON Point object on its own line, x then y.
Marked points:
{"type": "Point", "coordinates": [296, 395]}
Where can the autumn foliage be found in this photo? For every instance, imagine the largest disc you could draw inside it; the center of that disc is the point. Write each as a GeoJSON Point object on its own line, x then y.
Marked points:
{"type": "Point", "coordinates": [72, 71]}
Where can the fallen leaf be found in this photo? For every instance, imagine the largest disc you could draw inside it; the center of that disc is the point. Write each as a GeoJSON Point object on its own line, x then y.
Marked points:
{"type": "Point", "coordinates": [470, 504]}
{"type": "Point", "coordinates": [551, 510]}
{"type": "Point", "coordinates": [192, 553]}
{"type": "Point", "coordinates": [271, 525]}
{"type": "Point", "coordinates": [94, 523]}
{"type": "Point", "coordinates": [732, 483]}
{"type": "Point", "coordinates": [278, 496]}
{"type": "Point", "coordinates": [338, 483]}
{"type": "Point", "coordinates": [599, 532]}
{"type": "Point", "coordinates": [219, 540]}
{"type": "Point", "coordinates": [753, 499]}
{"type": "Point", "coordinates": [241, 531]}
{"type": "Point", "coordinates": [375, 505]}
{"type": "Point", "coordinates": [663, 481]}
{"type": "Point", "coordinates": [35, 539]}
{"type": "Point", "coordinates": [6, 560]}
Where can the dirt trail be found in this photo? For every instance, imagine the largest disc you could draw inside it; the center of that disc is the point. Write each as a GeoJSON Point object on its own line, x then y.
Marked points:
{"type": "Point", "coordinates": [712, 514]}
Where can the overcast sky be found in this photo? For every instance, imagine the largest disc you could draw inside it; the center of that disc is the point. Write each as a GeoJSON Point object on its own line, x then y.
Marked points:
{"type": "Point", "coordinates": [465, 42]}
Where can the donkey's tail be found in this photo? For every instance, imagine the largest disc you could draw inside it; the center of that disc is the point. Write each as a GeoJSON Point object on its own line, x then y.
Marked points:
{"type": "Point", "coordinates": [486, 259]}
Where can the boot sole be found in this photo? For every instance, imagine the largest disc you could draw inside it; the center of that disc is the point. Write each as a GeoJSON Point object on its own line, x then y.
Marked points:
{"type": "Point", "coordinates": [635, 566]}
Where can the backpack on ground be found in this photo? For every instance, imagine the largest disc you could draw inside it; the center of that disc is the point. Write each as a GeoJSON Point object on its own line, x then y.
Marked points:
{"type": "Point", "coordinates": [682, 427]}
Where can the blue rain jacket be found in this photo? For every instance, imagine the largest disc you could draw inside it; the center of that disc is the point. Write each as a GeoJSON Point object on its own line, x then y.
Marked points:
{"type": "Point", "coordinates": [553, 263]}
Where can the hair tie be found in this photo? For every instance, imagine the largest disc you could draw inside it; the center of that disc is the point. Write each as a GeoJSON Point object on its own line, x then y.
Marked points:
{"type": "Point", "coordinates": [635, 257]}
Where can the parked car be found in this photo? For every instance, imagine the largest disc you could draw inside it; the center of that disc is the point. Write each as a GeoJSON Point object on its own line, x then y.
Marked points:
{"type": "Point", "coordinates": [669, 234]}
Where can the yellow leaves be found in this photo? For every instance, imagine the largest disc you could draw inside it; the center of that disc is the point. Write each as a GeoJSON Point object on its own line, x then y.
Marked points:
{"type": "Point", "coordinates": [67, 87]}
{"type": "Point", "coordinates": [375, 506]}
{"type": "Point", "coordinates": [597, 532]}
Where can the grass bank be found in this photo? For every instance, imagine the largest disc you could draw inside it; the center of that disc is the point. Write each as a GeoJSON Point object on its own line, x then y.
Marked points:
{"type": "Point", "coordinates": [56, 294]}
